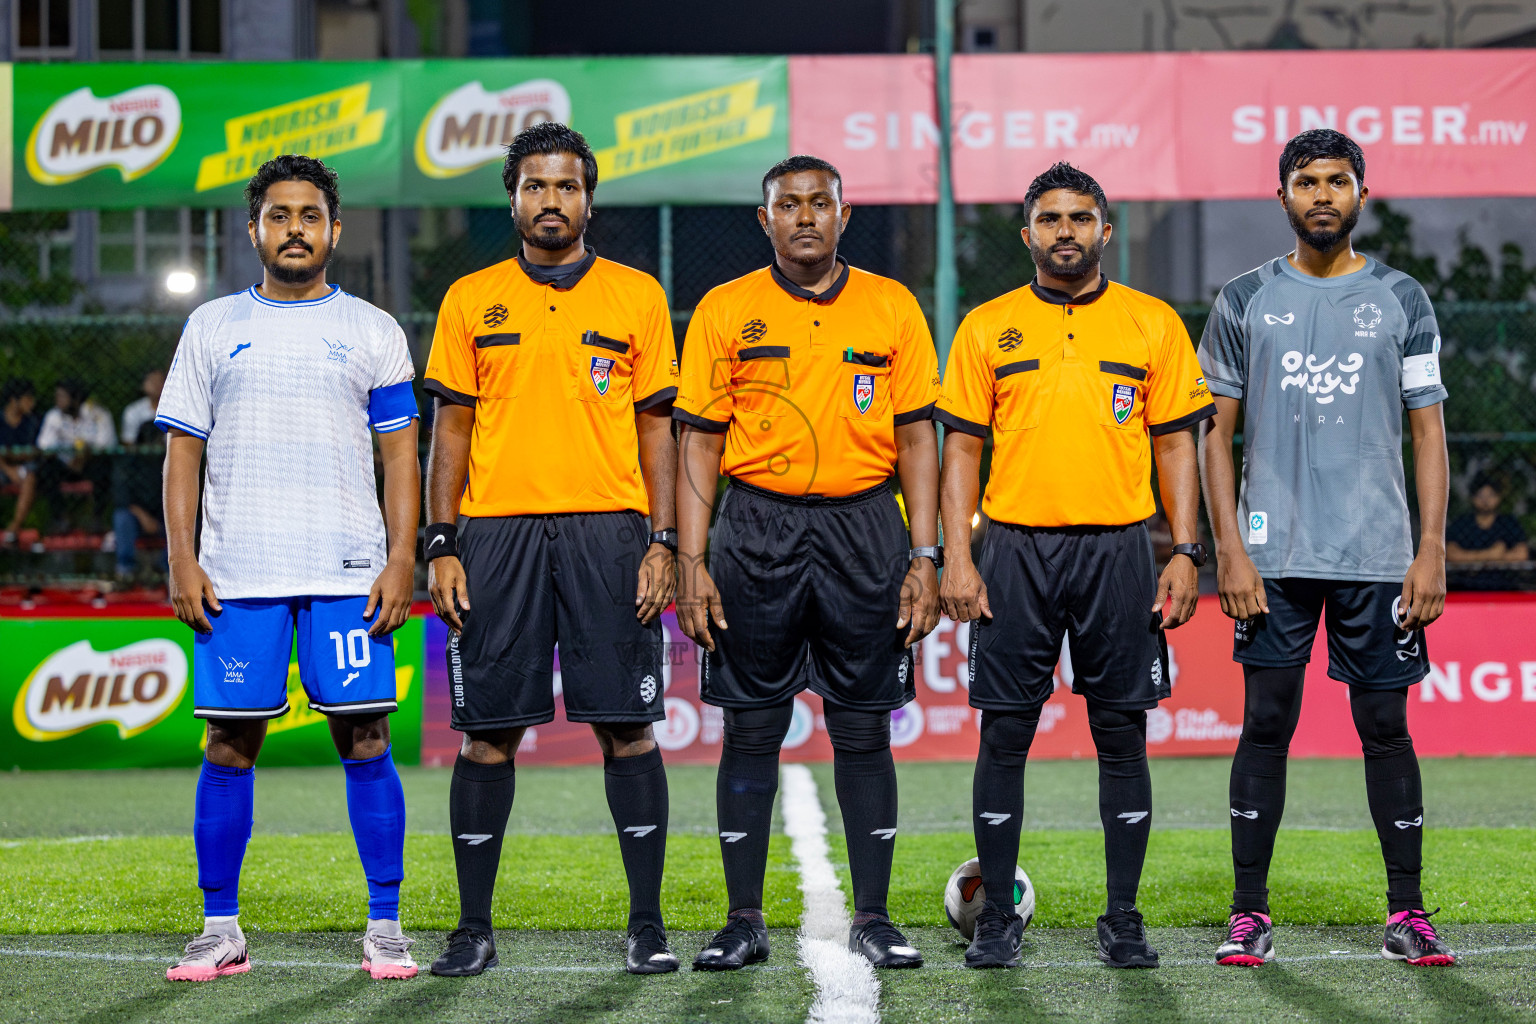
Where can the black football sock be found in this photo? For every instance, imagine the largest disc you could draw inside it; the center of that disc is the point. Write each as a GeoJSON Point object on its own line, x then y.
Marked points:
{"type": "Point", "coordinates": [1256, 793]}
{"type": "Point", "coordinates": [1393, 790]}
{"type": "Point", "coordinates": [479, 801]}
{"type": "Point", "coordinates": [865, 774]}
{"type": "Point", "coordinates": [1125, 799]}
{"type": "Point", "coordinates": [637, 799]}
{"type": "Point", "coordinates": [997, 798]}
{"type": "Point", "coordinates": [744, 790]}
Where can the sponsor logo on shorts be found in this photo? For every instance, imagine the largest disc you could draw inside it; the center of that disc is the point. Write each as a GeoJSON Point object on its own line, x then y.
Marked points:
{"type": "Point", "coordinates": [1122, 401]}
{"type": "Point", "coordinates": [348, 681]}
{"type": "Point", "coordinates": [901, 671]}
{"type": "Point", "coordinates": [1157, 672]}
{"type": "Point", "coordinates": [648, 689]}
{"type": "Point", "coordinates": [234, 671]}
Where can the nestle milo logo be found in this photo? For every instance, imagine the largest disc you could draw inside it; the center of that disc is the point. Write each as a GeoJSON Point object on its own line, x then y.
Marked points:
{"type": "Point", "coordinates": [82, 133]}
{"type": "Point", "coordinates": [133, 687]}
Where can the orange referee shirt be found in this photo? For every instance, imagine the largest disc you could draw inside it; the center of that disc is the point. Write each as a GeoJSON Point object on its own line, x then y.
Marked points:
{"type": "Point", "coordinates": [807, 388]}
{"type": "Point", "coordinates": [556, 362]}
{"type": "Point", "coordinates": [1071, 388]}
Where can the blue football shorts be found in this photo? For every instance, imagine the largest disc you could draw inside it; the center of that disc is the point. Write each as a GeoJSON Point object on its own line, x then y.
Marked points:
{"type": "Point", "coordinates": [240, 670]}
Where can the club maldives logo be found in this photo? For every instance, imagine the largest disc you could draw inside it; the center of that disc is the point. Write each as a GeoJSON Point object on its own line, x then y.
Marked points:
{"type": "Point", "coordinates": [82, 133]}
{"type": "Point", "coordinates": [133, 687]}
{"type": "Point", "coordinates": [600, 376]}
{"type": "Point", "coordinates": [1122, 401]}
{"type": "Point", "coordinates": [471, 126]}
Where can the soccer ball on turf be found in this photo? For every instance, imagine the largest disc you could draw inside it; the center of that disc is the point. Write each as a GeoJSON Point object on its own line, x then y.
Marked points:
{"type": "Point", "coordinates": [963, 897]}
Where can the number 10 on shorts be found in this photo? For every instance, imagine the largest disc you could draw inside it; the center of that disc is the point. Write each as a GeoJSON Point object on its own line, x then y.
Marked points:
{"type": "Point", "coordinates": [352, 650]}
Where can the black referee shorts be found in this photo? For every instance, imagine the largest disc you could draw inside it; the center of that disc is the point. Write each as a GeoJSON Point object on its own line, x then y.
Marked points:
{"type": "Point", "coordinates": [811, 588]}
{"type": "Point", "coordinates": [535, 581]}
{"type": "Point", "coordinates": [1094, 584]}
{"type": "Point", "coordinates": [1365, 646]}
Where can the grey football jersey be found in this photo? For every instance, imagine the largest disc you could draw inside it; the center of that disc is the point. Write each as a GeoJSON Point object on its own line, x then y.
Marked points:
{"type": "Point", "coordinates": [1325, 367]}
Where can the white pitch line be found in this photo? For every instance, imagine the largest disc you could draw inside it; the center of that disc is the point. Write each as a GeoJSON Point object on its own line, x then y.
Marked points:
{"type": "Point", "coordinates": [329, 965]}
{"type": "Point", "coordinates": [846, 989]}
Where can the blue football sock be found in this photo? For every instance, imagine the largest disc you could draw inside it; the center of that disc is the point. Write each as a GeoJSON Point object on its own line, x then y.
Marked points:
{"type": "Point", "coordinates": [376, 805]}
{"type": "Point", "coordinates": [221, 827]}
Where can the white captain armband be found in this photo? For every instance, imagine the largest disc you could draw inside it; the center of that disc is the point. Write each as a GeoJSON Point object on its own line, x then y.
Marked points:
{"type": "Point", "coordinates": [1421, 371]}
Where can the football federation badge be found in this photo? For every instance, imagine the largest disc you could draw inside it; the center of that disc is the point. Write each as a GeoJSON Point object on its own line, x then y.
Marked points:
{"type": "Point", "coordinates": [863, 391]}
{"type": "Point", "coordinates": [600, 368]}
{"type": "Point", "coordinates": [1123, 401]}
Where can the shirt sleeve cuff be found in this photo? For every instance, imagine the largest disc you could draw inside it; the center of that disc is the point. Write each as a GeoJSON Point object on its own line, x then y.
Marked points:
{"type": "Point", "coordinates": [1183, 422]}
{"type": "Point", "coordinates": [1224, 389]}
{"type": "Point", "coordinates": [165, 423]}
{"type": "Point", "coordinates": [447, 394]}
{"type": "Point", "coordinates": [699, 422]}
{"type": "Point", "coordinates": [915, 415]}
{"type": "Point", "coordinates": [1425, 399]}
{"type": "Point", "coordinates": [662, 397]}
{"type": "Point", "coordinates": [965, 426]}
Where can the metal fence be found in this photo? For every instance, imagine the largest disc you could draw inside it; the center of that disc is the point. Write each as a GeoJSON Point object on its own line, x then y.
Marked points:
{"type": "Point", "coordinates": [84, 500]}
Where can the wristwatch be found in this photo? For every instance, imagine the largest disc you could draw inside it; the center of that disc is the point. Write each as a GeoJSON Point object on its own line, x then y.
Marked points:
{"type": "Point", "coordinates": [933, 554]}
{"type": "Point", "coordinates": [1195, 552]}
{"type": "Point", "coordinates": [666, 538]}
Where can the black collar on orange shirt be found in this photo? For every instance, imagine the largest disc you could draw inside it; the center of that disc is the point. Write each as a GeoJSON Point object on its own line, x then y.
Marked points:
{"type": "Point", "coordinates": [565, 277]}
{"type": "Point", "coordinates": [832, 292]}
{"type": "Point", "coordinates": [1057, 298]}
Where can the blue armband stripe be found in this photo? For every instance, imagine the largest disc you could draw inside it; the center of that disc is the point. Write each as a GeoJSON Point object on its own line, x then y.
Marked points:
{"type": "Point", "coordinates": [388, 405]}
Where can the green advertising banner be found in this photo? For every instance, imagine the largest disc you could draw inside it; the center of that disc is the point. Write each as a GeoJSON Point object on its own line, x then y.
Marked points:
{"type": "Point", "coordinates": [399, 133]}
{"type": "Point", "coordinates": [117, 693]}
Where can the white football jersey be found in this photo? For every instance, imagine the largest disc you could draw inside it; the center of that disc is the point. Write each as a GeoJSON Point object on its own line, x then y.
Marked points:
{"type": "Point", "coordinates": [281, 392]}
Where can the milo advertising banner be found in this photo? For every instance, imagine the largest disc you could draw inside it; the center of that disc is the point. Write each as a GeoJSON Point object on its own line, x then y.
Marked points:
{"type": "Point", "coordinates": [399, 133]}
{"type": "Point", "coordinates": [117, 693]}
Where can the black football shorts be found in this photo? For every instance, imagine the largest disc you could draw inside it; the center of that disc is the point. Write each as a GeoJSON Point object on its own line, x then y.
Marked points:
{"type": "Point", "coordinates": [1365, 646]}
{"type": "Point", "coordinates": [1093, 584]}
{"type": "Point", "coordinates": [535, 581]}
{"type": "Point", "coordinates": [811, 588]}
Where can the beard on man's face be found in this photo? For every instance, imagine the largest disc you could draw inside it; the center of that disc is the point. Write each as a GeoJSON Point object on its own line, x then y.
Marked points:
{"type": "Point", "coordinates": [1323, 239]}
{"type": "Point", "coordinates": [1072, 268]}
{"type": "Point", "coordinates": [551, 237]}
{"type": "Point", "coordinates": [289, 273]}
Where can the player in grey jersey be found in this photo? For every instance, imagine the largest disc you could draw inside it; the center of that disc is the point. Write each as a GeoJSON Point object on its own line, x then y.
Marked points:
{"type": "Point", "coordinates": [1325, 348]}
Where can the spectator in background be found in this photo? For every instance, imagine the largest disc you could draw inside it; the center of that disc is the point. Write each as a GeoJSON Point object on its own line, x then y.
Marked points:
{"type": "Point", "coordinates": [136, 478]}
{"type": "Point", "coordinates": [74, 431]}
{"type": "Point", "coordinates": [1485, 534]}
{"type": "Point", "coordinates": [19, 425]}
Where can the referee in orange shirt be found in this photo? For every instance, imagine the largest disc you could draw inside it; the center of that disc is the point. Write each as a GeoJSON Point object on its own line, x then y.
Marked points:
{"type": "Point", "coordinates": [553, 378]}
{"type": "Point", "coordinates": [808, 383]}
{"type": "Point", "coordinates": [1071, 373]}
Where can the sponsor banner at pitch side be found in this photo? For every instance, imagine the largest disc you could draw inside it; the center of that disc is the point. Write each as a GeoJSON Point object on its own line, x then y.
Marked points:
{"type": "Point", "coordinates": [107, 692]}
{"type": "Point", "coordinates": [1480, 699]}
{"type": "Point", "coordinates": [1170, 125]}
{"type": "Point", "coordinates": [399, 133]}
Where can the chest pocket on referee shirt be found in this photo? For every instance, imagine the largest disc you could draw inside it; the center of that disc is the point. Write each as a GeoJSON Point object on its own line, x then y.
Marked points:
{"type": "Point", "coordinates": [498, 359]}
{"type": "Point", "coordinates": [865, 388]}
{"type": "Point", "coordinates": [604, 370]}
{"type": "Point", "coordinates": [759, 380]}
{"type": "Point", "coordinates": [1017, 396]}
{"type": "Point", "coordinates": [1123, 387]}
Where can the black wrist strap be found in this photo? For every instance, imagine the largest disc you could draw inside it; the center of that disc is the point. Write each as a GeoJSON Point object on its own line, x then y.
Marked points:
{"type": "Point", "coordinates": [441, 539]}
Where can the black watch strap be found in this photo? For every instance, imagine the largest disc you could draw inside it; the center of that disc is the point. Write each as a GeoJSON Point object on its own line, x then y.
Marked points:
{"type": "Point", "coordinates": [933, 554]}
{"type": "Point", "coordinates": [666, 538]}
{"type": "Point", "coordinates": [1195, 553]}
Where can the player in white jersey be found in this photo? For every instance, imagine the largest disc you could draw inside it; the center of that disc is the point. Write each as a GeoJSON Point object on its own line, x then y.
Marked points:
{"type": "Point", "coordinates": [278, 386]}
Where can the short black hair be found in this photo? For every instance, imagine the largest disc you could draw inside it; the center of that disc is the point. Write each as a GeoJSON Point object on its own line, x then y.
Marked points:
{"type": "Point", "coordinates": [796, 164]}
{"type": "Point", "coordinates": [291, 167]}
{"type": "Point", "coordinates": [543, 139]}
{"type": "Point", "coordinates": [74, 386]}
{"type": "Point", "coordinates": [1486, 480]}
{"type": "Point", "coordinates": [16, 387]}
{"type": "Point", "coordinates": [1321, 144]}
{"type": "Point", "coordinates": [1064, 176]}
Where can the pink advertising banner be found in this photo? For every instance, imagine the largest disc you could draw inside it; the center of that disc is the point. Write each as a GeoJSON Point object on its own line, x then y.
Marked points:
{"type": "Point", "coordinates": [1170, 126]}
{"type": "Point", "coordinates": [1479, 699]}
